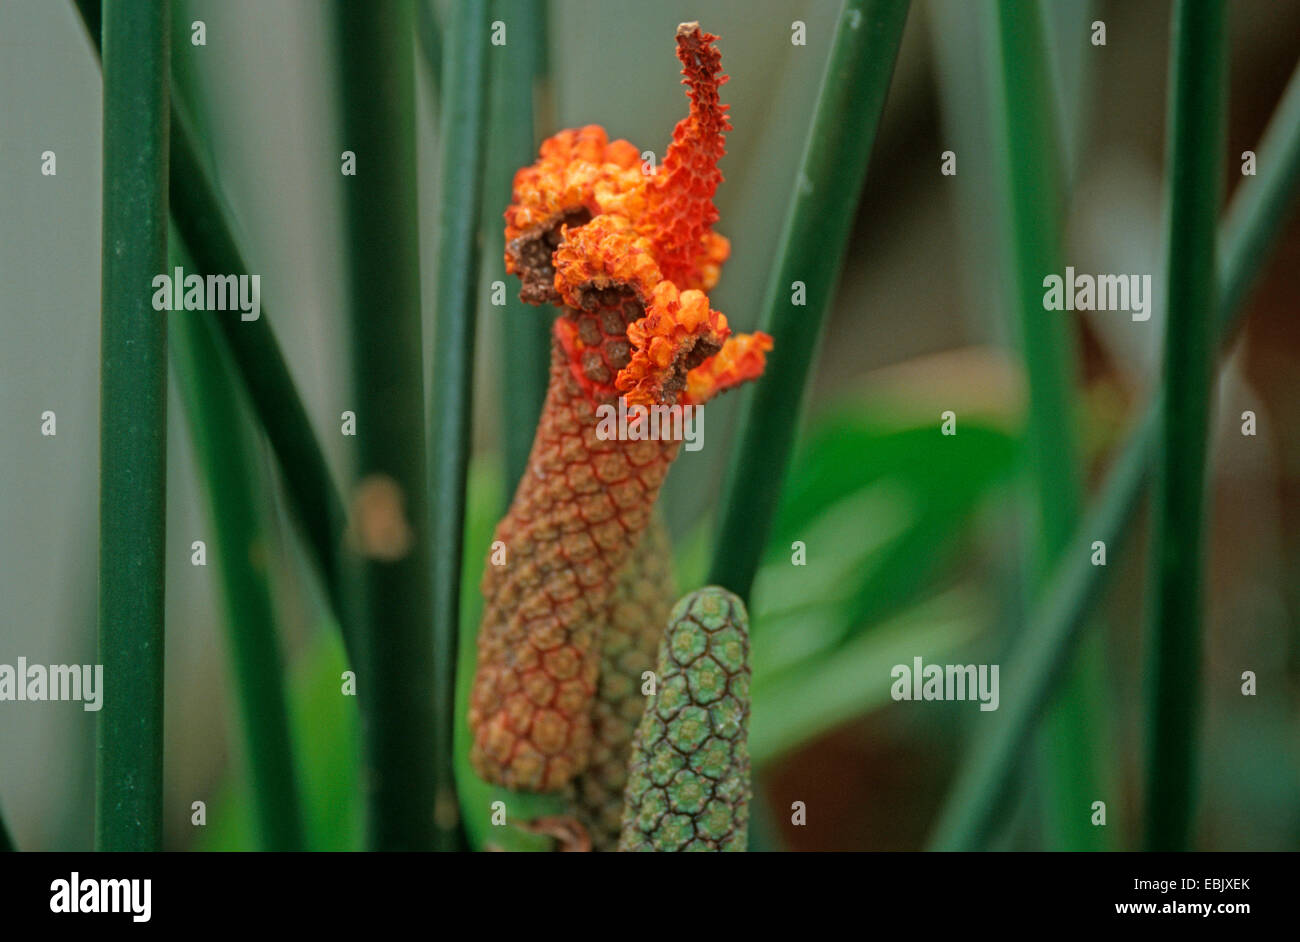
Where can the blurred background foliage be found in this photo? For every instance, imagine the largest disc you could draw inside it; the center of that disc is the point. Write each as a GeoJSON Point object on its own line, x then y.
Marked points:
{"type": "Point", "coordinates": [914, 540]}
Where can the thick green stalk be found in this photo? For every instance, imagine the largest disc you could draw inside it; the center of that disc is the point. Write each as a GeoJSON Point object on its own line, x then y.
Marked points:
{"type": "Point", "coordinates": [1254, 222]}
{"type": "Point", "coordinates": [227, 463]}
{"type": "Point", "coordinates": [1068, 750]}
{"type": "Point", "coordinates": [811, 251]}
{"type": "Point", "coordinates": [463, 132]}
{"type": "Point", "coordinates": [1194, 169]}
{"type": "Point", "coordinates": [133, 428]}
{"type": "Point", "coordinates": [388, 549]}
{"type": "Point", "coordinates": [203, 223]}
{"type": "Point", "coordinates": [525, 331]}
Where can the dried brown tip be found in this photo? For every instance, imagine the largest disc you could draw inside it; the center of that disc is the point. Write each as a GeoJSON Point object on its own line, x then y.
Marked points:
{"type": "Point", "coordinates": [533, 255]}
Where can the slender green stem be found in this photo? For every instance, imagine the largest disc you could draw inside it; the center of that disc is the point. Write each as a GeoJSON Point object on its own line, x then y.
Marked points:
{"type": "Point", "coordinates": [1033, 190]}
{"type": "Point", "coordinates": [388, 549]}
{"type": "Point", "coordinates": [1038, 658]}
{"type": "Point", "coordinates": [204, 225]}
{"type": "Point", "coordinates": [464, 98]}
{"type": "Point", "coordinates": [227, 462]}
{"type": "Point", "coordinates": [525, 330]}
{"type": "Point", "coordinates": [133, 428]}
{"type": "Point", "coordinates": [430, 40]}
{"type": "Point", "coordinates": [1253, 224]}
{"type": "Point", "coordinates": [811, 251]}
{"type": "Point", "coordinates": [1194, 168]}
{"type": "Point", "coordinates": [1259, 209]}
{"type": "Point", "coordinates": [313, 498]}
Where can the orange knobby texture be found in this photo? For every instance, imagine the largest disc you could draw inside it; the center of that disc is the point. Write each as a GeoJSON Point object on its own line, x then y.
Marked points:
{"type": "Point", "coordinates": [627, 256]}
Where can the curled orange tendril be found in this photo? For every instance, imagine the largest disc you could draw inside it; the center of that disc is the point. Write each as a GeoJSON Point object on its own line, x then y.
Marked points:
{"type": "Point", "coordinates": [626, 254]}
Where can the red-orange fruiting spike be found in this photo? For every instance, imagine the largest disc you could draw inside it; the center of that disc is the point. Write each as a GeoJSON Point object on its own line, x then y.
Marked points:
{"type": "Point", "coordinates": [604, 252]}
{"type": "Point", "coordinates": [678, 332]}
{"type": "Point", "coordinates": [578, 513]}
{"type": "Point", "coordinates": [741, 359]}
{"type": "Point", "coordinates": [680, 213]}
{"type": "Point", "coordinates": [625, 254]}
{"type": "Point", "coordinates": [578, 175]}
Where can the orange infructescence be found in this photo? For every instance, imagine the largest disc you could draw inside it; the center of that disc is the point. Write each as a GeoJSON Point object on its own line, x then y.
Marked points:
{"type": "Point", "coordinates": [627, 255]}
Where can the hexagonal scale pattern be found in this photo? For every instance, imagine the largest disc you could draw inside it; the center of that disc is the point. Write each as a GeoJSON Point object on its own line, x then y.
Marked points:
{"type": "Point", "coordinates": [688, 781]}
{"type": "Point", "coordinates": [638, 612]}
{"type": "Point", "coordinates": [577, 515]}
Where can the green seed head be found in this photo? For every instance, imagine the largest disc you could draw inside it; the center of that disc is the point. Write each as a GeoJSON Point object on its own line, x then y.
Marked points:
{"type": "Point", "coordinates": [688, 780]}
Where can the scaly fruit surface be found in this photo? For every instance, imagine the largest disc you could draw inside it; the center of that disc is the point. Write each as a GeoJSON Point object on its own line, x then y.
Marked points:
{"type": "Point", "coordinates": [625, 254]}
{"type": "Point", "coordinates": [688, 781]}
{"type": "Point", "coordinates": [638, 612]}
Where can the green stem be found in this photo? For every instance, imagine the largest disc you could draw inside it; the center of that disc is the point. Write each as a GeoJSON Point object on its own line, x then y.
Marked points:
{"type": "Point", "coordinates": [463, 112]}
{"type": "Point", "coordinates": [429, 33]}
{"type": "Point", "coordinates": [133, 428]}
{"type": "Point", "coordinates": [1194, 167]}
{"type": "Point", "coordinates": [313, 498]}
{"type": "Point", "coordinates": [1038, 658]}
{"type": "Point", "coordinates": [1253, 224]}
{"type": "Point", "coordinates": [1259, 209]}
{"type": "Point", "coordinates": [204, 225]}
{"type": "Point", "coordinates": [1068, 750]}
{"type": "Point", "coordinates": [817, 227]}
{"type": "Point", "coordinates": [525, 331]}
{"type": "Point", "coordinates": [227, 460]}
{"type": "Point", "coordinates": [388, 557]}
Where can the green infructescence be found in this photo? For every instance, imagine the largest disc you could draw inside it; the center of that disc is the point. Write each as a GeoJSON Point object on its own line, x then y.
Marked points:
{"type": "Point", "coordinates": [688, 780]}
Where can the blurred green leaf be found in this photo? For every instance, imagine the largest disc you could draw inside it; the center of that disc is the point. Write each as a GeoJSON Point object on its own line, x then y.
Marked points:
{"type": "Point", "coordinates": [880, 503]}
{"type": "Point", "coordinates": [851, 447]}
{"type": "Point", "coordinates": [325, 732]}
{"type": "Point", "coordinates": [877, 499]}
{"type": "Point", "coordinates": [794, 706]}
